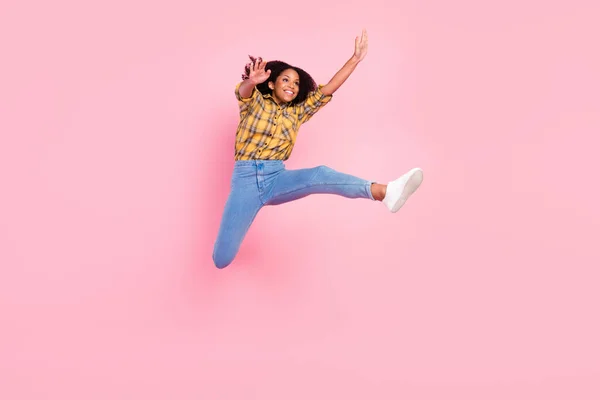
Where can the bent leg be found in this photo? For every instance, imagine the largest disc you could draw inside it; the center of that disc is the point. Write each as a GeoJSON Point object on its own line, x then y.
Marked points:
{"type": "Point", "coordinates": [296, 184]}
{"type": "Point", "coordinates": [238, 215]}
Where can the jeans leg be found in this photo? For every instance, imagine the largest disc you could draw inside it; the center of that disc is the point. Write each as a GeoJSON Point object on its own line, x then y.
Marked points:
{"type": "Point", "coordinates": [242, 206]}
{"type": "Point", "coordinates": [295, 184]}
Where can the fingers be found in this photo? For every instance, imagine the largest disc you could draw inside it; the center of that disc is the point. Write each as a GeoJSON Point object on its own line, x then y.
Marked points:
{"type": "Point", "coordinates": [364, 38]}
{"type": "Point", "coordinates": [257, 67]}
{"type": "Point", "coordinates": [259, 64]}
{"type": "Point", "coordinates": [262, 64]}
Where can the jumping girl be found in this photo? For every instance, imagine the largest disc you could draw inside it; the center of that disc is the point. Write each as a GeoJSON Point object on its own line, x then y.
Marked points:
{"type": "Point", "coordinates": [274, 100]}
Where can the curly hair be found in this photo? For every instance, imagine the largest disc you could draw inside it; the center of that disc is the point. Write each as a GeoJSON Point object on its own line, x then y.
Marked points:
{"type": "Point", "coordinates": [307, 83]}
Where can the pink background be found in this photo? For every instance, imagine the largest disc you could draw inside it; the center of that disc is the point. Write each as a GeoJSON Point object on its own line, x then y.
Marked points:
{"type": "Point", "coordinates": [117, 124]}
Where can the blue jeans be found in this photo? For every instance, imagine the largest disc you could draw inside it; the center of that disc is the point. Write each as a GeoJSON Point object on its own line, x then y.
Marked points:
{"type": "Point", "coordinates": [259, 183]}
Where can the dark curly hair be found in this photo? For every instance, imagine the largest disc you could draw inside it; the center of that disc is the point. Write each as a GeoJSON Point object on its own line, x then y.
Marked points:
{"type": "Point", "coordinates": [307, 83]}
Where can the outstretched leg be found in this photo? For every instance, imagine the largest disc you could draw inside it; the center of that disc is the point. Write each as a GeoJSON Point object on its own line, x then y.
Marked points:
{"type": "Point", "coordinates": [296, 184]}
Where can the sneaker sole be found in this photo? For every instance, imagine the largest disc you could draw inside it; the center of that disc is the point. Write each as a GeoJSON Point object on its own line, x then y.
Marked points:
{"type": "Point", "coordinates": [413, 183]}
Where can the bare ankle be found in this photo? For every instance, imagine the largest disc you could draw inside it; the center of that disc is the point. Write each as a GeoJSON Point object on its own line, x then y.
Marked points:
{"type": "Point", "coordinates": [378, 191]}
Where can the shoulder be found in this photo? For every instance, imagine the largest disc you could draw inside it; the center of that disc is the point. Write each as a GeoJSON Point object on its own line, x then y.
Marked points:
{"type": "Point", "coordinates": [316, 97]}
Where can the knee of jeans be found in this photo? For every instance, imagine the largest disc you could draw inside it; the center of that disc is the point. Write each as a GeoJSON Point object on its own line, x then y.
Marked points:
{"type": "Point", "coordinates": [221, 259]}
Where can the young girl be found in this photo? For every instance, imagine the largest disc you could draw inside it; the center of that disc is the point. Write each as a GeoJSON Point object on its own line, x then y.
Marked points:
{"type": "Point", "coordinates": [275, 99]}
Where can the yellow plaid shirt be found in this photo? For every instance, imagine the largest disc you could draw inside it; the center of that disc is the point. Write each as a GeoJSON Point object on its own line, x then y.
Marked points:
{"type": "Point", "coordinates": [267, 130]}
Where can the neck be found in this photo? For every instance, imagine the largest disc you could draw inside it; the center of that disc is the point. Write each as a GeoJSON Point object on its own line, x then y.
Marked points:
{"type": "Point", "coordinates": [277, 99]}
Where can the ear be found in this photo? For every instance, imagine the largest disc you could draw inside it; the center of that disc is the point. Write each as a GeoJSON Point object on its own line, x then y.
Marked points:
{"type": "Point", "coordinates": [271, 85]}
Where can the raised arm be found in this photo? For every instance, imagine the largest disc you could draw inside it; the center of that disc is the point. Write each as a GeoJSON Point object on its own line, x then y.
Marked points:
{"type": "Point", "coordinates": [360, 51]}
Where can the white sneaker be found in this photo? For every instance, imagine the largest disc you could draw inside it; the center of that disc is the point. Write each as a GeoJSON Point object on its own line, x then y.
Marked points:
{"type": "Point", "coordinates": [399, 191]}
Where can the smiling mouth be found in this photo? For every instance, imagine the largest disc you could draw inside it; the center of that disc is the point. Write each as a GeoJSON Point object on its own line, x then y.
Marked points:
{"type": "Point", "coordinates": [289, 92]}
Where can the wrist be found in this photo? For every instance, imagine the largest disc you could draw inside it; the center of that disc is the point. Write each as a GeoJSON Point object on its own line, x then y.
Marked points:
{"type": "Point", "coordinates": [354, 60]}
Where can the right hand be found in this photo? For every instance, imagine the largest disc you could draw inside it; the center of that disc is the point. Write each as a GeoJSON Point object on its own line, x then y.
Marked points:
{"type": "Point", "coordinates": [257, 73]}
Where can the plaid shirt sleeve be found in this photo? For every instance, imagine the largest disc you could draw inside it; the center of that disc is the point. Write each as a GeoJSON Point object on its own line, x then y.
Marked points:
{"type": "Point", "coordinates": [313, 103]}
{"type": "Point", "coordinates": [246, 103]}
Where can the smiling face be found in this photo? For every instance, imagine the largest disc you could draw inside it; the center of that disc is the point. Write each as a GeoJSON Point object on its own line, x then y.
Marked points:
{"type": "Point", "coordinates": [286, 86]}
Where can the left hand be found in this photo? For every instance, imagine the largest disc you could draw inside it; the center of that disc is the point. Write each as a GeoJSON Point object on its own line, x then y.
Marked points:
{"type": "Point", "coordinates": [361, 44]}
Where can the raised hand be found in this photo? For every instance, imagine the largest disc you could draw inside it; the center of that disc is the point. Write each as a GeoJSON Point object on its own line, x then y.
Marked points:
{"type": "Point", "coordinates": [255, 71]}
{"type": "Point", "coordinates": [361, 45]}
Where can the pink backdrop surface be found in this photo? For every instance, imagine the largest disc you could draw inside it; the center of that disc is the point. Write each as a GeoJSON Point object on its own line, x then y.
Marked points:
{"type": "Point", "coordinates": [117, 123]}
